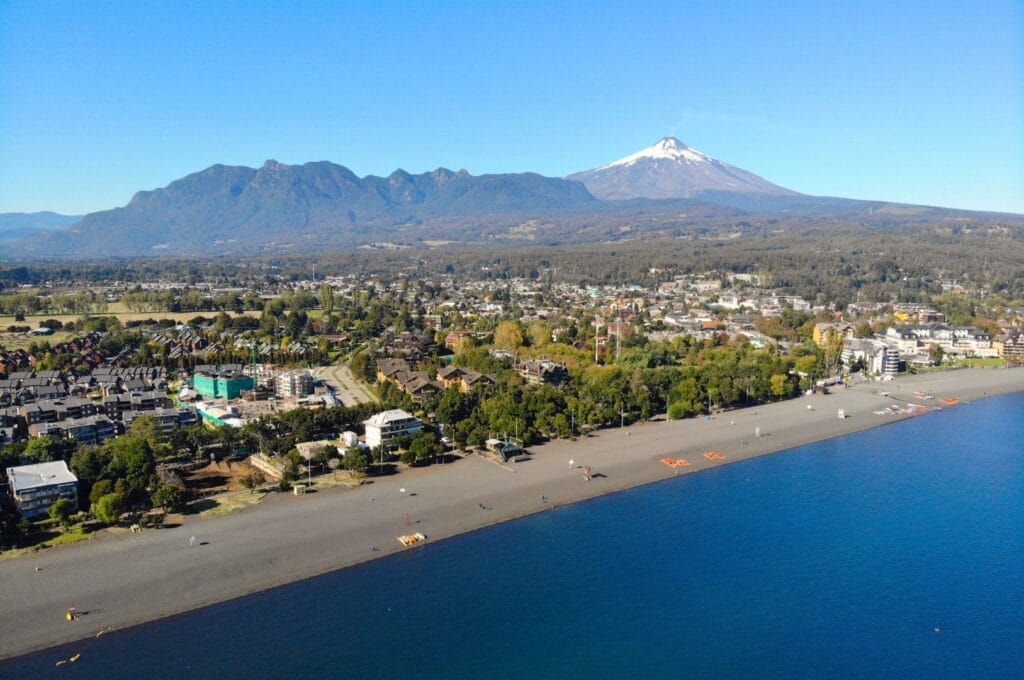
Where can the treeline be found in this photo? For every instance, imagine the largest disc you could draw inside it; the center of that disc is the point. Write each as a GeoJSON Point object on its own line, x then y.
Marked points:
{"type": "Point", "coordinates": [684, 378]}
{"type": "Point", "coordinates": [828, 262]}
{"type": "Point", "coordinates": [14, 304]}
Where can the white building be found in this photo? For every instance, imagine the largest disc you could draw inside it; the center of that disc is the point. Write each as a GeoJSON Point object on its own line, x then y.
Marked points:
{"type": "Point", "coordinates": [385, 427]}
{"type": "Point", "coordinates": [880, 358]}
{"type": "Point", "coordinates": [293, 384]}
{"type": "Point", "coordinates": [36, 487]}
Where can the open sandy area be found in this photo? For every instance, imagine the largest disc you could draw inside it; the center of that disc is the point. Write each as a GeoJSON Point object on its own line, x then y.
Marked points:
{"type": "Point", "coordinates": [126, 579]}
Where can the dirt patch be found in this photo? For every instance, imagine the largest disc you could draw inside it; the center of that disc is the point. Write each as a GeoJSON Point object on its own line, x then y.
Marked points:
{"type": "Point", "coordinates": [219, 477]}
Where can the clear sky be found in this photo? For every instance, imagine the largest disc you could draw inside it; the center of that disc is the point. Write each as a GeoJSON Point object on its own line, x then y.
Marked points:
{"type": "Point", "coordinates": [919, 102]}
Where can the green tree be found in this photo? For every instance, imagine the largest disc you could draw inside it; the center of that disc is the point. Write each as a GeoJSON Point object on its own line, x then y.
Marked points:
{"type": "Point", "coordinates": [327, 298]}
{"type": "Point", "coordinates": [132, 461]}
{"type": "Point", "coordinates": [780, 385]}
{"type": "Point", "coordinates": [100, 489]}
{"type": "Point", "coordinates": [147, 428]}
{"type": "Point", "coordinates": [108, 508]}
{"type": "Point", "coordinates": [89, 463]}
{"type": "Point", "coordinates": [61, 511]}
{"type": "Point", "coordinates": [363, 368]}
{"type": "Point", "coordinates": [253, 481]}
{"type": "Point", "coordinates": [356, 460]}
{"type": "Point", "coordinates": [325, 453]}
{"type": "Point", "coordinates": [833, 359]}
{"type": "Point", "coordinates": [677, 410]}
{"type": "Point", "coordinates": [41, 450]}
{"type": "Point", "coordinates": [171, 497]}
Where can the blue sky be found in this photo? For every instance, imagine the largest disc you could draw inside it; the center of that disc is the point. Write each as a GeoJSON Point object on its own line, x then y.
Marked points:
{"type": "Point", "coordinates": [914, 102]}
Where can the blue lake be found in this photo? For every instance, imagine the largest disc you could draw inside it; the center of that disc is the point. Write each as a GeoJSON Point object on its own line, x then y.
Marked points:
{"type": "Point", "coordinates": [897, 552]}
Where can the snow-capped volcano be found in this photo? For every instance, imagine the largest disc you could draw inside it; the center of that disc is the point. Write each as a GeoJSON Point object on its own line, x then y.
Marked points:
{"type": "Point", "coordinates": [668, 148]}
{"type": "Point", "coordinates": [670, 169]}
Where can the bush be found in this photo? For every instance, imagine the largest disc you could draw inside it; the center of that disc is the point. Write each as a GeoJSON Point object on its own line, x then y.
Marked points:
{"type": "Point", "coordinates": [100, 489]}
{"type": "Point", "coordinates": [61, 510]}
{"type": "Point", "coordinates": [171, 498]}
{"type": "Point", "coordinates": [108, 508]}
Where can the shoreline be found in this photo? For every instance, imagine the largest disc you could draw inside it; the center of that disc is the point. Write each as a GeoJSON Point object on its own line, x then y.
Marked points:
{"type": "Point", "coordinates": [124, 580]}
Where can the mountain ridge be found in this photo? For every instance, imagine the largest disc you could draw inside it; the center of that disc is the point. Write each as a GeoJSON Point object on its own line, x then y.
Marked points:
{"type": "Point", "coordinates": [313, 201]}
{"type": "Point", "coordinates": [316, 206]}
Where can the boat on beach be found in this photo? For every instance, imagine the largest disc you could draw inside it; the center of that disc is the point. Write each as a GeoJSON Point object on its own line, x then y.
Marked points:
{"type": "Point", "coordinates": [411, 539]}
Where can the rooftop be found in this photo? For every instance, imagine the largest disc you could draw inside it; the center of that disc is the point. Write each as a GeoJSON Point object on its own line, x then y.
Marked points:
{"type": "Point", "coordinates": [389, 416]}
{"type": "Point", "coordinates": [25, 477]}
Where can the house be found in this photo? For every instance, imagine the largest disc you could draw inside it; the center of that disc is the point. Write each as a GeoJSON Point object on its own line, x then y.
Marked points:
{"type": "Point", "coordinates": [452, 340]}
{"type": "Point", "coordinates": [385, 427]}
{"type": "Point", "coordinates": [388, 368]}
{"type": "Point", "coordinates": [465, 379]}
{"type": "Point", "coordinates": [35, 488]}
{"type": "Point", "coordinates": [409, 345]}
{"type": "Point", "coordinates": [822, 331]}
{"type": "Point", "coordinates": [1010, 345]}
{"type": "Point", "coordinates": [418, 385]}
{"type": "Point", "coordinates": [537, 371]}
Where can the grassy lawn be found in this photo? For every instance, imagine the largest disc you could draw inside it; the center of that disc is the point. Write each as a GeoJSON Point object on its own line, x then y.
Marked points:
{"type": "Point", "coordinates": [994, 362]}
{"type": "Point", "coordinates": [23, 340]}
{"type": "Point", "coordinates": [48, 540]}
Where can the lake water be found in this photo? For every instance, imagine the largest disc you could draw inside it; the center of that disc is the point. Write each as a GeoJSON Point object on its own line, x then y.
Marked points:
{"type": "Point", "coordinates": [897, 552]}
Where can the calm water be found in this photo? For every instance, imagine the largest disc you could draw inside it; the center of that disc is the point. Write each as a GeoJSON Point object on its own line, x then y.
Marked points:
{"type": "Point", "coordinates": [833, 560]}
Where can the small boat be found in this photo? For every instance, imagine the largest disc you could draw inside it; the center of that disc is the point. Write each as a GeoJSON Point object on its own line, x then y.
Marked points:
{"type": "Point", "coordinates": [411, 539]}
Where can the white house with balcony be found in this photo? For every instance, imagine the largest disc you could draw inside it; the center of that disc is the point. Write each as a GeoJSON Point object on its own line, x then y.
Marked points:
{"type": "Point", "coordinates": [382, 429]}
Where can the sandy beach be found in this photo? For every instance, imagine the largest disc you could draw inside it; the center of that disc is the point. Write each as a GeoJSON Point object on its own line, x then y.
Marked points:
{"type": "Point", "coordinates": [126, 579]}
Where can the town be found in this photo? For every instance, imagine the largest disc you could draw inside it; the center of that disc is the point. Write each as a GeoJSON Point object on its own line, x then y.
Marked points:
{"type": "Point", "coordinates": [121, 404]}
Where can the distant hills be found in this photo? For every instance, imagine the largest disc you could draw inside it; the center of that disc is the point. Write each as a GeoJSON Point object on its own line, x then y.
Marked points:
{"type": "Point", "coordinates": [670, 169]}
{"type": "Point", "coordinates": [15, 226]}
{"type": "Point", "coordinates": [667, 190]}
{"type": "Point", "coordinates": [36, 220]}
{"type": "Point", "coordinates": [300, 207]}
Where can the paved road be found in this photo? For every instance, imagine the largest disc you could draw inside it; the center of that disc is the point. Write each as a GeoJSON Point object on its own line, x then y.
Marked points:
{"type": "Point", "coordinates": [344, 384]}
